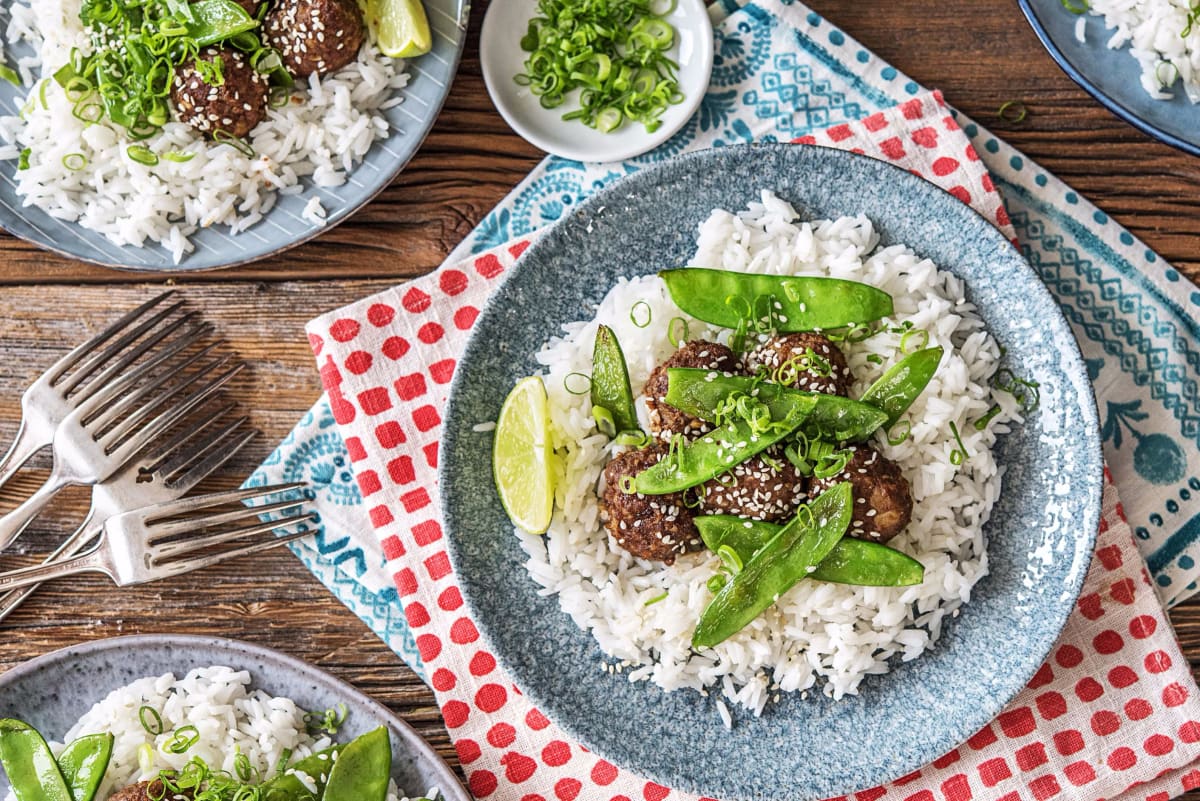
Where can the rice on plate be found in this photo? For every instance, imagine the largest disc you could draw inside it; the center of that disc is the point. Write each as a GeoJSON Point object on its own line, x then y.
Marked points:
{"type": "Point", "coordinates": [1163, 35]}
{"type": "Point", "coordinates": [81, 171]}
{"type": "Point", "coordinates": [817, 635]}
{"type": "Point", "coordinates": [232, 723]}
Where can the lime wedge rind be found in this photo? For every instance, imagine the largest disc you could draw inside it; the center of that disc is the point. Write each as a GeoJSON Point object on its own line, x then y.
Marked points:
{"type": "Point", "coordinates": [523, 463]}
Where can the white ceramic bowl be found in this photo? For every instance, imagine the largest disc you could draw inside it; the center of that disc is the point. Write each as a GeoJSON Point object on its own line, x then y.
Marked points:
{"type": "Point", "coordinates": [502, 57]}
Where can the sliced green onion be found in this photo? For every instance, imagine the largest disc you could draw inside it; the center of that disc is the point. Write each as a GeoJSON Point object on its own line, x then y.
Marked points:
{"type": "Point", "coordinates": [626, 485]}
{"type": "Point", "coordinates": [182, 739]}
{"type": "Point", "coordinates": [731, 563]}
{"type": "Point", "coordinates": [874, 358]}
{"type": "Point", "coordinates": [178, 157]}
{"type": "Point", "coordinates": [1076, 6]}
{"type": "Point", "coordinates": [656, 599]}
{"type": "Point", "coordinates": [1013, 111]}
{"type": "Point", "coordinates": [142, 155]}
{"type": "Point", "coordinates": [916, 333]}
{"type": "Point", "coordinates": [226, 138]}
{"type": "Point", "coordinates": [1166, 74]}
{"type": "Point", "coordinates": [831, 464]}
{"type": "Point", "coordinates": [716, 583]}
{"type": "Point", "coordinates": [1026, 391]}
{"type": "Point", "coordinates": [900, 432]}
{"type": "Point", "coordinates": [74, 161]}
{"type": "Point", "coordinates": [636, 439]}
{"type": "Point", "coordinates": [286, 755]}
{"type": "Point", "coordinates": [983, 422]}
{"type": "Point", "coordinates": [10, 75]}
{"type": "Point", "coordinates": [641, 320]}
{"type": "Point", "coordinates": [604, 421]}
{"type": "Point", "coordinates": [577, 389]}
{"type": "Point", "coordinates": [151, 721]}
{"type": "Point", "coordinates": [677, 340]}
{"type": "Point", "coordinates": [661, 8]}
{"type": "Point", "coordinates": [328, 721]}
{"type": "Point", "coordinates": [23, 159]}
{"type": "Point", "coordinates": [959, 454]}
{"type": "Point", "coordinates": [1192, 18]}
{"type": "Point", "coordinates": [609, 120]}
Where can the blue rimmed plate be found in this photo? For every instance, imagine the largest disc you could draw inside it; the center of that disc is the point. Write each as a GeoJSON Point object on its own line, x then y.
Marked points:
{"type": "Point", "coordinates": [53, 691]}
{"type": "Point", "coordinates": [1112, 76]}
{"type": "Point", "coordinates": [284, 226]}
{"type": "Point", "coordinates": [1041, 533]}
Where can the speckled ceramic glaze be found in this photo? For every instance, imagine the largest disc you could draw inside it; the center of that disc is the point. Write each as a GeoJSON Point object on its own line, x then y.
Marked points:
{"type": "Point", "coordinates": [1040, 536]}
{"type": "Point", "coordinates": [284, 226]}
{"type": "Point", "coordinates": [1113, 76]}
{"type": "Point", "coordinates": [53, 691]}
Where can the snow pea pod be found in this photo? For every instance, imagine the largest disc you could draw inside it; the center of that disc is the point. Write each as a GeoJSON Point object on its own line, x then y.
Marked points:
{"type": "Point", "coordinates": [833, 418]}
{"type": "Point", "coordinates": [217, 20]}
{"type": "Point", "coordinates": [781, 303]}
{"type": "Point", "coordinates": [32, 771]}
{"type": "Point", "coordinates": [858, 562]}
{"type": "Point", "coordinates": [789, 556]}
{"type": "Point", "coordinates": [362, 769]}
{"type": "Point", "coordinates": [720, 449]}
{"type": "Point", "coordinates": [610, 381]}
{"type": "Point", "coordinates": [83, 762]}
{"type": "Point", "coordinates": [904, 381]}
{"type": "Point", "coordinates": [288, 787]}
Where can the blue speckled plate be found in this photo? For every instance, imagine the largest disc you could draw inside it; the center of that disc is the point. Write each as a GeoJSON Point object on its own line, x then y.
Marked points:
{"type": "Point", "coordinates": [1112, 76]}
{"type": "Point", "coordinates": [284, 226]}
{"type": "Point", "coordinates": [53, 691]}
{"type": "Point", "coordinates": [1041, 533]}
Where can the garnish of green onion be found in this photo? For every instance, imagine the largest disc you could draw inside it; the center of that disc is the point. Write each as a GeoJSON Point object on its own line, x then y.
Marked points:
{"type": "Point", "coordinates": [178, 157]}
{"type": "Point", "coordinates": [982, 422]}
{"type": "Point", "coordinates": [635, 439]}
{"type": "Point", "coordinates": [1076, 6]}
{"type": "Point", "coordinates": [1192, 18]}
{"type": "Point", "coordinates": [1026, 391]}
{"type": "Point", "coordinates": [604, 421]}
{"type": "Point", "coordinates": [677, 324]}
{"type": "Point", "coordinates": [183, 739]}
{"type": "Point", "coordinates": [142, 155]}
{"type": "Point", "coordinates": [731, 563]}
{"type": "Point", "coordinates": [23, 159]}
{"type": "Point", "coordinates": [612, 52]}
{"type": "Point", "coordinates": [640, 314]}
{"type": "Point", "coordinates": [74, 161]}
{"type": "Point", "coordinates": [660, 597]}
{"type": "Point", "coordinates": [910, 336]}
{"type": "Point", "coordinates": [577, 388]}
{"type": "Point", "coordinates": [10, 75]}
{"type": "Point", "coordinates": [150, 719]}
{"type": "Point", "coordinates": [716, 583]}
{"type": "Point", "coordinates": [1013, 111]}
{"type": "Point", "coordinates": [1166, 74]}
{"type": "Point", "coordinates": [959, 454]}
{"type": "Point", "coordinates": [899, 433]}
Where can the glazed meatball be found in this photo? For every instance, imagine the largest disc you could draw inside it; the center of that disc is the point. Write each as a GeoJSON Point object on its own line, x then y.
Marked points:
{"type": "Point", "coordinates": [756, 489]}
{"type": "Point", "coordinates": [315, 35]}
{"type": "Point", "coordinates": [666, 420]}
{"type": "Point", "coordinates": [235, 106]}
{"type": "Point", "coordinates": [882, 500]}
{"type": "Point", "coordinates": [787, 360]}
{"type": "Point", "coordinates": [147, 791]}
{"type": "Point", "coordinates": [655, 527]}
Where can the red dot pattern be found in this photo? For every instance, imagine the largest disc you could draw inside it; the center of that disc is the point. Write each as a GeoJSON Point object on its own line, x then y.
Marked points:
{"type": "Point", "coordinates": [1113, 705]}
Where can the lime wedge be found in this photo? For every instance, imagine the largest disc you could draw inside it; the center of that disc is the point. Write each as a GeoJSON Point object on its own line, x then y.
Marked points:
{"type": "Point", "coordinates": [400, 27]}
{"type": "Point", "coordinates": [523, 457]}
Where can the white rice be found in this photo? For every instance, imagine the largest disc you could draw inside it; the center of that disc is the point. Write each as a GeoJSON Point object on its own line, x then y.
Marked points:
{"type": "Point", "coordinates": [822, 634]}
{"type": "Point", "coordinates": [1152, 30]}
{"type": "Point", "coordinates": [321, 135]}
{"type": "Point", "coordinates": [229, 716]}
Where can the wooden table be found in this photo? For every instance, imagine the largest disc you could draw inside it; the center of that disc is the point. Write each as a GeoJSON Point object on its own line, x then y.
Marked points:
{"type": "Point", "coordinates": [979, 54]}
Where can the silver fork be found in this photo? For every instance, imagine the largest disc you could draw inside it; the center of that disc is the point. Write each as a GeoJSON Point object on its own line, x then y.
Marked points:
{"type": "Point", "coordinates": [174, 538]}
{"type": "Point", "coordinates": [58, 392]}
{"type": "Point", "coordinates": [169, 472]}
{"type": "Point", "coordinates": [107, 431]}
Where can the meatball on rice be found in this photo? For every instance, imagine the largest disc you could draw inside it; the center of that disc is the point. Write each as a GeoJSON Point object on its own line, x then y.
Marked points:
{"type": "Point", "coordinates": [756, 489]}
{"type": "Point", "coordinates": [315, 36]}
{"type": "Point", "coordinates": [235, 106]}
{"type": "Point", "coordinates": [654, 527]}
{"type": "Point", "coordinates": [883, 502]}
{"type": "Point", "coordinates": [665, 419]}
{"type": "Point", "coordinates": [803, 361]}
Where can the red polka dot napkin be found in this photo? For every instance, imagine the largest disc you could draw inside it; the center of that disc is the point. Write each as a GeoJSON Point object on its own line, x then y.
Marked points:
{"type": "Point", "coordinates": [1113, 713]}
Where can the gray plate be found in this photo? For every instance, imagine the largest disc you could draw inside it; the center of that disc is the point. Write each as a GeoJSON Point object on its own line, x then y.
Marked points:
{"type": "Point", "coordinates": [53, 691]}
{"type": "Point", "coordinates": [283, 227]}
{"type": "Point", "coordinates": [1112, 76]}
{"type": "Point", "coordinates": [1040, 536]}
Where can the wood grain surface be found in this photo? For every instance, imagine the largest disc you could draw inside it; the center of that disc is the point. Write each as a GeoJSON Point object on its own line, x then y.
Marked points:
{"type": "Point", "coordinates": [979, 54]}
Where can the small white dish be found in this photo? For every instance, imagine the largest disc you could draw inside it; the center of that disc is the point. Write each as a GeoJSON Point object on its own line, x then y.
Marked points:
{"type": "Point", "coordinates": [502, 58]}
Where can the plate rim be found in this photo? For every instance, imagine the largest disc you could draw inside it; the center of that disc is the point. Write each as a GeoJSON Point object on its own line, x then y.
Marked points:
{"type": "Point", "coordinates": [1108, 101]}
{"type": "Point", "coordinates": [335, 219]}
{"type": "Point", "coordinates": [1081, 556]}
{"type": "Point", "coordinates": [514, 121]}
{"type": "Point", "coordinates": [452, 789]}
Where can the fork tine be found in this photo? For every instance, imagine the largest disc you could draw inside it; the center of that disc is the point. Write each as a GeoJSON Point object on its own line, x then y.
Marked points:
{"type": "Point", "coordinates": [93, 362]}
{"type": "Point", "coordinates": [155, 379]}
{"type": "Point", "coordinates": [185, 506]}
{"type": "Point", "coordinates": [162, 341]}
{"type": "Point", "coordinates": [141, 438]}
{"type": "Point", "coordinates": [72, 358]}
{"type": "Point", "coordinates": [222, 451]}
{"type": "Point", "coordinates": [164, 531]}
{"type": "Point", "coordinates": [160, 458]}
{"type": "Point", "coordinates": [178, 567]}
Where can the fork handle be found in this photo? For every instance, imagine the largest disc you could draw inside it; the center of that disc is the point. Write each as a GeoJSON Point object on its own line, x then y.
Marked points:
{"type": "Point", "coordinates": [24, 446]}
{"type": "Point", "coordinates": [92, 561]}
{"type": "Point", "coordinates": [70, 547]}
{"type": "Point", "coordinates": [13, 523]}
